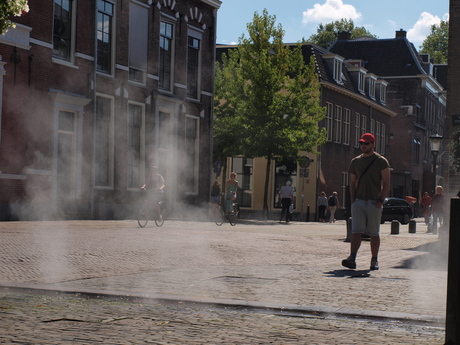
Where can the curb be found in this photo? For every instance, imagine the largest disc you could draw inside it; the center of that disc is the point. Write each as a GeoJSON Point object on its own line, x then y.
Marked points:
{"type": "Point", "coordinates": [261, 307]}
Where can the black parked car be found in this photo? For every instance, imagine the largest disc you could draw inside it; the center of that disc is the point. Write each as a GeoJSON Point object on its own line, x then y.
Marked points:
{"type": "Point", "coordinates": [396, 209]}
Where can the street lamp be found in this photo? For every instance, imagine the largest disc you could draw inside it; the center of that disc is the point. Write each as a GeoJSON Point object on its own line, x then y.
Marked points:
{"type": "Point", "coordinates": [435, 145]}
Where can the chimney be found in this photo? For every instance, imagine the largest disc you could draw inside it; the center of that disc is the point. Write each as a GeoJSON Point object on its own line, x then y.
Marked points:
{"type": "Point", "coordinates": [344, 35]}
{"type": "Point", "coordinates": [401, 34]}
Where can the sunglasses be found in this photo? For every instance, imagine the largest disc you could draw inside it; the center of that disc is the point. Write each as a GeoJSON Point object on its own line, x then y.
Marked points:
{"type": "Point", "coordinates": [364, 143]}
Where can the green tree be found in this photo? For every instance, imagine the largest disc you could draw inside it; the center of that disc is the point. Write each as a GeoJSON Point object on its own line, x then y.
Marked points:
{"type": "Point", "coordinates": [327, 34]}
{"type": "Point", "coordinates": [9, 8]}
{"type": "Point", "coordinates": [436, 42]}
{"type": "Point", "coordinates": [267, 98]}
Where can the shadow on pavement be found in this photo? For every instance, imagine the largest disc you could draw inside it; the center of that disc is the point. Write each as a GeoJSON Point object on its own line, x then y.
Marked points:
{"type": "Point", "coordinates": [349, 273]}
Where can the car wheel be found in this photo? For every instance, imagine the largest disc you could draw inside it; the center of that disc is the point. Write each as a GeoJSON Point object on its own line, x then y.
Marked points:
{"type": "Point", "coordinates": [405, 219]}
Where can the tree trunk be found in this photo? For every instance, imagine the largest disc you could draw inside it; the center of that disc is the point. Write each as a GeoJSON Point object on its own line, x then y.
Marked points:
{"type": "Point", "coordinates": [267, 176]}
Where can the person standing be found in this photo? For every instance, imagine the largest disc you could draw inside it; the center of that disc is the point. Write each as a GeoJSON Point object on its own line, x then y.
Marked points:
{"type": "Point", "coordinates": [369, 175]}
{"type": "Point", "coordinates": [286, 194]}
{"type": "Point", "coordinates": [322, 204]}
{"type": "Point", "coordinates": [437, 209]}
{"type": "Point", "coordinates": [332, 204]}
{"type": "Point", "coordinates": [426, 204]}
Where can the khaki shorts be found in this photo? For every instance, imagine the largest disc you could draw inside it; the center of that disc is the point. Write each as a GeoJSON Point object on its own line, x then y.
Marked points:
{"type": "Point", "coordinates": [365, 217]}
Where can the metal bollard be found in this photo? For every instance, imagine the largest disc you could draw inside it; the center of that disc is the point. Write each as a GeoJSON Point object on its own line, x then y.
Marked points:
{"type": "Point", "coordinates": [412, 226]}
{"type": "Point", "coordinates": [394, 227]}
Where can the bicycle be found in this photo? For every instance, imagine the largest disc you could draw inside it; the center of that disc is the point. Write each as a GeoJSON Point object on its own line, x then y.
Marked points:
{"type": "Point", "coordinates": [219, 215]}
{"type": "Point", "coordinates": [145, 212]}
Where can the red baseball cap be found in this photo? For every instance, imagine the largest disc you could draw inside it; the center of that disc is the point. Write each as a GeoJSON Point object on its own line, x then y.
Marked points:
{"type": "Point", "coordinates": [367, 137]}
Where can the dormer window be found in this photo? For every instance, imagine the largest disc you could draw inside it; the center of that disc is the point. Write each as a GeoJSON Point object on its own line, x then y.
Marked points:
{"type": "Point", "coordinates": [338, 70]}
{"type": "Point", "coordinates": [335, 63]}
{"type": "Point", "coordinates": [358, 74]}
{"type": "Point", "coordinates": [361, 81]}
{"type": "Point", "coordinates": [371, 81]}
{"type": "Point", "coordinates": [382, 91]}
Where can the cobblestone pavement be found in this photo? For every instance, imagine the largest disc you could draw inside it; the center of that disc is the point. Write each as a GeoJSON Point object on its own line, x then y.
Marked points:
{"type": "Point", "coordinates": [288, 267]}
{"type": "Point", "coordinates": [57, 319]}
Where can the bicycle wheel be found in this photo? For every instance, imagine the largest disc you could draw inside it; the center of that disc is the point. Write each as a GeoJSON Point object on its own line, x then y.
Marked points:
{"type": "Point", "coordinates": [143, 218]}
{"type": "Point", "coordinates": [232, 218]}
{"type": "Point", "coordinates": [219, 216]}
{"type": "Point", "coordinates": [159, 221]}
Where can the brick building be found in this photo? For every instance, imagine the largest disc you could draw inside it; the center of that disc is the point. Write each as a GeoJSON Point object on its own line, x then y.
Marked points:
{"type": "Point", "coordinates": [95, 93]}
{"type": "Point", "coordinates": [416, 91]}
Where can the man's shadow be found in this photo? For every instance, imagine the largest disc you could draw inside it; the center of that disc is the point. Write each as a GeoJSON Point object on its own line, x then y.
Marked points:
{"type": "Point", "coordinates": [349, 273]}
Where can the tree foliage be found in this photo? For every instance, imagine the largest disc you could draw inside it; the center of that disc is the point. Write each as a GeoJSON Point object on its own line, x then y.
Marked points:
{"type": "Point", "coordinates": [8, 9]}
{"type": "Point", "coordinates": [267, 99]}
{"type": "Point", "coordinates": [327, 34]}
{"type": "Point", "coordinates": [436, 43]}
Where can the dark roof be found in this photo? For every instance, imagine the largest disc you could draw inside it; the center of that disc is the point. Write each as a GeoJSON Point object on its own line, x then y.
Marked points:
{"type": "Point", "coordinates": [324, 72]}
{"type": "Point", "coordinates": [440, 73]}
{"type": "Point", "coordinates": [383, 57]}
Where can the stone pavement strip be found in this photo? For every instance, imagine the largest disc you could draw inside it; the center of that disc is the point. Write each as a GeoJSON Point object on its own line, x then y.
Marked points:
{"type": "Point", "coordinates": [197, 283]}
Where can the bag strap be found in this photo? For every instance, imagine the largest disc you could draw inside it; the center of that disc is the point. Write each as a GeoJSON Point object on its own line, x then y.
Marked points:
{"type": "Point", "coordinates": [365, 170]}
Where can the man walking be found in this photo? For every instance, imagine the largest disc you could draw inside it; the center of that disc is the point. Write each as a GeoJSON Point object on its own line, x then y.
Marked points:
{"type": "Point", "coordinates": [286, 195]}
{"type": "Point", "coordinates": [369, 185]}
{"type": "Point", "coordinates": [333, 204]}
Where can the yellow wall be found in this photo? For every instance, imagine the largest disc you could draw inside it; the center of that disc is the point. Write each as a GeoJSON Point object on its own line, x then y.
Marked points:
{"type": "Point", "coordinates": [310, 192]}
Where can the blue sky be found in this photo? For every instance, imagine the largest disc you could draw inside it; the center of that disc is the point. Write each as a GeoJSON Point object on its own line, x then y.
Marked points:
{"type": "Point", "coordinates": [300, 18]}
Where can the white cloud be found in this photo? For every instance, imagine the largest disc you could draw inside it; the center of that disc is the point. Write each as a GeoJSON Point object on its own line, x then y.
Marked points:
{"type": "Point", "coordinates": [422, 28]}
{"type": "Point", "coordinates": [330, 11]}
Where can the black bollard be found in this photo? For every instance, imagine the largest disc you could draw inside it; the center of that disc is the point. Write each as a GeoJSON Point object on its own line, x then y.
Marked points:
{"type": "Point", "coordinates": [394, 227]}
{"type": "Point", "coordinates": [308, 213]}
{"type": "Point", "coordinates": [453, 278]}
{"type": "Point", "coordinates": [412, 226]}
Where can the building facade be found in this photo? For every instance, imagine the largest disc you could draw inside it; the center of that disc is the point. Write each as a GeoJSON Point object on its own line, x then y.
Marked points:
{"type": "Point", "coordinates": [416, 92]}
{"type": "Point", "coordinates": [93, 94]}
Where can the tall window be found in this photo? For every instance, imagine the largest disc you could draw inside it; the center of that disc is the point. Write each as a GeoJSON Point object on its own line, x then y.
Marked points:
{"type": "Point", "coordinates": [138, 41]}
{"type": "Point", "coordinates": [104, 35]}
{"type": "Point", "coordinates": [135, 142]}
{"type": "Point", "coordinates": [346, 126]}
{"type": "Point", "coordinates": [338, 124]}
{"type": "Point", "coordinates": [66, 155]}
{"type": "Point", "coordinates": [62, 29]}
{"type": "Point", "coordinates": [383, 139]}
{"type": "Point", "coordinates": [361, 82]}
{"type": "Point", "coordinates": [166, 55]}
{"type": "Point", "coordinates": [192, 156]}
{"type": "Point", "coordinates": [363, 124]}
{"type": "Point", "coordinates": [357, 128]}
{"type": "Point", "coordinates": [193, 66]}
{"type": "Point", "coordinates": [329, 114]}
{"type": "Point", "coordinates": [103, 160]}
{"type": "Point", "coordinates": [338, 70]}
{"type": "Point", "coordinates": [372, 87]}
{"type": "Point", "coordinates": [165, 142]}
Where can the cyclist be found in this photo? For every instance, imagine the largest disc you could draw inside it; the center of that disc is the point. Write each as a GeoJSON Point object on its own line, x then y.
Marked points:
{"type": "Point", "coordinates": [156, 184]}
{"type": "Point", "coordinates": [230, 187]}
